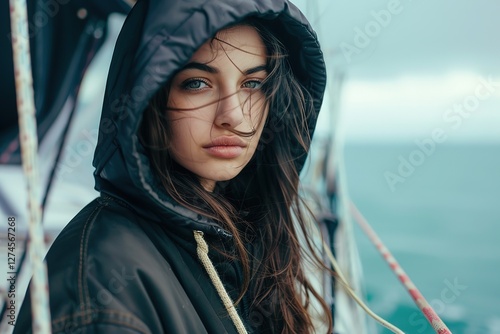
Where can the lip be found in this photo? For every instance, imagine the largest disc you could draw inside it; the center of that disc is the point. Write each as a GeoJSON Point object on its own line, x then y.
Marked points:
{"type": "Point", "coordinates": [226, 147]}
{"type": "Point", "coordinates": [226, 141]}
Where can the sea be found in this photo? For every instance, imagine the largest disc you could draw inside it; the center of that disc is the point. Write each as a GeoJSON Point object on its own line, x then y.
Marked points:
{"type": "Point", "coordinates": [437, 209]}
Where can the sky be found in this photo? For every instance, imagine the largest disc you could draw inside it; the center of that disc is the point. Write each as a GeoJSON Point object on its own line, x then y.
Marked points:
{"type": "Point", "coordinates": [410, 67]}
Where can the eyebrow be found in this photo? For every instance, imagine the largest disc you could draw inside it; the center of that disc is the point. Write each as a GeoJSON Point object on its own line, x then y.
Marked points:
{"type": "Point", "coordinates": [210, 69]}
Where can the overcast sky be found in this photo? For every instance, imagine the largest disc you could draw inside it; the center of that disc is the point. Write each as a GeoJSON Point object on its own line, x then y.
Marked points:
{"type": "Point", "coordinates": [412, 66]}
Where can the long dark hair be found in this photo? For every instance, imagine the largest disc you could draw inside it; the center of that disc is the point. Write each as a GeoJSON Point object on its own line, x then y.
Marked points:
{"type": "Point", "coordinates": [261, 206]}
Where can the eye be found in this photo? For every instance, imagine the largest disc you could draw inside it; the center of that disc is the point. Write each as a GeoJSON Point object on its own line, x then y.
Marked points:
{"type": "Point", "coordinates": [194, 84]}
{"type": "Point", "coordinates": [252, 84]}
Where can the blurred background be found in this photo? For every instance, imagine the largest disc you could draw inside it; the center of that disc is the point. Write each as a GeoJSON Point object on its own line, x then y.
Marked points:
{"type": "Point", "coordinates": [413, 110]}
{"type": "Point", "coordinates": [414, 105]}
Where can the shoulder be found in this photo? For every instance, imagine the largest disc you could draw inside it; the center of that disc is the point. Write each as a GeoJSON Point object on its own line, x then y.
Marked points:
{"type": "Point", "coordinates": [102, 230]}
{"type": "Point", "coordinates": [110, 270]}
{"type": "Point", "coordinates": [96, 267]}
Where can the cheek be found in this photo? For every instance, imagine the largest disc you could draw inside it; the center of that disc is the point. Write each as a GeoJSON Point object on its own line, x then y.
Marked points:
{"type": "Point", "coordinates": [259, 119]}
{"type": "Point", "coordinates": [180, 131]}
{"type": "Point", "coordinates": [258, 107]}
{"type": "Point", "coordinates": [189, 124]}
{"type": "Point", "coordinates": [187, 131]}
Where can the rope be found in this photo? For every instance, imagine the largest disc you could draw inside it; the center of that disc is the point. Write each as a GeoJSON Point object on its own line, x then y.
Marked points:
{"type": "Point", "coordinates": [202, 250]}
{"type": "Point", "coordinates": [29, 148]}
{"type": "Point", "coordinates": [437, 324]}
{"type": "Point", "coordinates": [345, 285]}
{"type": "Point", "coordinates": [88, 43]}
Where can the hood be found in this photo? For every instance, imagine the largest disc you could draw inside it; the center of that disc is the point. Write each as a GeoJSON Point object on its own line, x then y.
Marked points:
{"type": "Point", "coordinates": [158, 38]}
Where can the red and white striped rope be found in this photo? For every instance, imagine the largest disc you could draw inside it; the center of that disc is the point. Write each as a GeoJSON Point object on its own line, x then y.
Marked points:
{"type": "Point", "coordinates": [29, 147]}
{"type": "Point", "coordinates": [437, 324]}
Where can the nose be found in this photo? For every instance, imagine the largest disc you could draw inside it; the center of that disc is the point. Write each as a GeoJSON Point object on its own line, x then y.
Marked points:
{"type": "Point", "coordinates": [229, 111]}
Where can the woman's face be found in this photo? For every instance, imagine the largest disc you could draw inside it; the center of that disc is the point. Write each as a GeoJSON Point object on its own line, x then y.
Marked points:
{"type": "Point", "coordinates": [217, 93]}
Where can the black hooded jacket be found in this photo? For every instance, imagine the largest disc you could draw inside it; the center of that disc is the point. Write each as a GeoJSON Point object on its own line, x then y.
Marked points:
{"type": "Point", "coordinates": [127, 262]}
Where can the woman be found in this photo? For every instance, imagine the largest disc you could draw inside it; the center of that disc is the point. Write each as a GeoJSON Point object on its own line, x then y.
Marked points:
{"type": "Point", "coordinates": [207, 120]}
